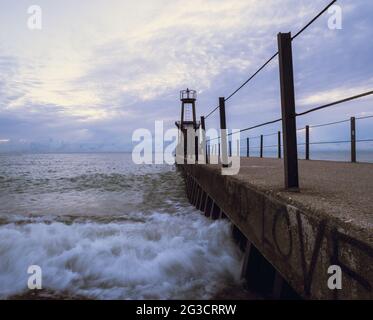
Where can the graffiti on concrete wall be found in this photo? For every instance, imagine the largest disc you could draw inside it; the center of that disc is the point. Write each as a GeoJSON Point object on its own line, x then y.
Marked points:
{"type": "Point", "coordinates": [284, 231]}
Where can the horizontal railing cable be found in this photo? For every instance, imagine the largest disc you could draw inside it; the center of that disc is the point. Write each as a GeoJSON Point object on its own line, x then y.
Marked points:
{"type": "Point", "coordinates": [253, 138]}
{"type": "Point", "coordinates": [315, 143]}
{"type": "Point", "coordinates": [252, 76]}
{"type": "Point", "coordinates": [336, 142]}
{"type": "Point", "coordinates": [275, 54]}
{"type": "Point", "coordinates": [314, 19]}
{"type": "Point", "coordinates": [213, 139]}
{"type": "Point", "coordinates": [273, 146]}
{"type": "Point", "coordinates": [272, 57]}
{"type": "Point", "coordinates": [212, 112]}
{"type": "Point", "coordinates": [365, 117]}
{"type": "Point", "coordinates": [335, 103]}
{"type": "Point", "coordinates": [300, 129]}
{"type": "Point", "coordinates": [270, 134]}
{"type": "Point", "coordinates": [258, 126]}
{"type": "Point", "coordinates": [329, 123]}
{"type": "Point", "coordinates": [333, 123]}
{"type": "Point", "coordinates": [250, 128]}
{"type": "Point", "coordinates": [365, 140]}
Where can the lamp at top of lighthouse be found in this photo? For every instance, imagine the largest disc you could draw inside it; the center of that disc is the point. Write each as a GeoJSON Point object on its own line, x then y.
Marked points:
{"type": "Point", "coordinates": [188, 96]}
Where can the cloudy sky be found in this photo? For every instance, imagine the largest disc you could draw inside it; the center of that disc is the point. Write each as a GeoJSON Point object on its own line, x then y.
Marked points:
{"type": "Point", "coordinates": [97, 70]}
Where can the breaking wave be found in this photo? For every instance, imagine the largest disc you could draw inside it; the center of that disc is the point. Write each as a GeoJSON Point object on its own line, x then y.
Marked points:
{"type": "Point", "coordinates": [182, 257]}
{"type": "Point", "coordinates": [103, 228]}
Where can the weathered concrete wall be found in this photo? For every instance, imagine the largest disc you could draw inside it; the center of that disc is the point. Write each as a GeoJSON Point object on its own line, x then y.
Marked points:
{"type": "Point", "coordinates": [299, 244]}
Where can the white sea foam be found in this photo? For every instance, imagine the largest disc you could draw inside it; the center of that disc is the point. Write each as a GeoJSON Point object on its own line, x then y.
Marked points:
{"type": "Point", "coordinates": [183, 256]}
{"type": "Point", "coordinates": [101, 227]}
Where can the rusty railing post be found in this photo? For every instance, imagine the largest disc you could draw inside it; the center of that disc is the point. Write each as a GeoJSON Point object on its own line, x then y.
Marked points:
{"type": "Point", "coordinates": [248, 147]}
{"type": "Point", "coordinates": [223, 129]}
{"type": "Point", "coordinates": [307, 142]}
{"type": "Point", "coordinates": [289, 127]}
{"type": "Point", "coordinates": [353, 139]}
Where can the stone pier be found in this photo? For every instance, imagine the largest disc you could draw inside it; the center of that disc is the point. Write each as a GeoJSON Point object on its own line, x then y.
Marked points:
{"type": "Point", "coordinates": [291, 239]}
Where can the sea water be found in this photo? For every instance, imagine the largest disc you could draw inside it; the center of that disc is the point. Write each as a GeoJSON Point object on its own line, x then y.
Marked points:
{"type": "Point", "coordinates": [101, 227]}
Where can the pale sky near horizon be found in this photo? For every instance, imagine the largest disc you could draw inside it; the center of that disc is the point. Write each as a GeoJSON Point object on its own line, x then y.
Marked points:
{"type": "Point", "coordinates": [100, 69]}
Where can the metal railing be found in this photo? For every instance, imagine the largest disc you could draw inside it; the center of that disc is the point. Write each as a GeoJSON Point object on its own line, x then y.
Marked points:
{"type": "Point", "coordinates": [287, 138]}
{"type": "Point", "coordinates": [307, 155]}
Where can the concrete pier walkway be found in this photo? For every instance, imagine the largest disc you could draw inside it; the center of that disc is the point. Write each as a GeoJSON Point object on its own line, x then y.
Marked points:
{"type": "Point", "coordinates": [329, 222]}
{"type": "Point", "coordinates": [339, 189]}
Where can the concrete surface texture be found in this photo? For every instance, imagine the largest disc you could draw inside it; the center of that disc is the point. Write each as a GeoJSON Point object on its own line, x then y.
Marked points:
{"type": "Point", "coordinates": [342, 190]}
{"type": "Point", "coordinates": [329, 222]}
